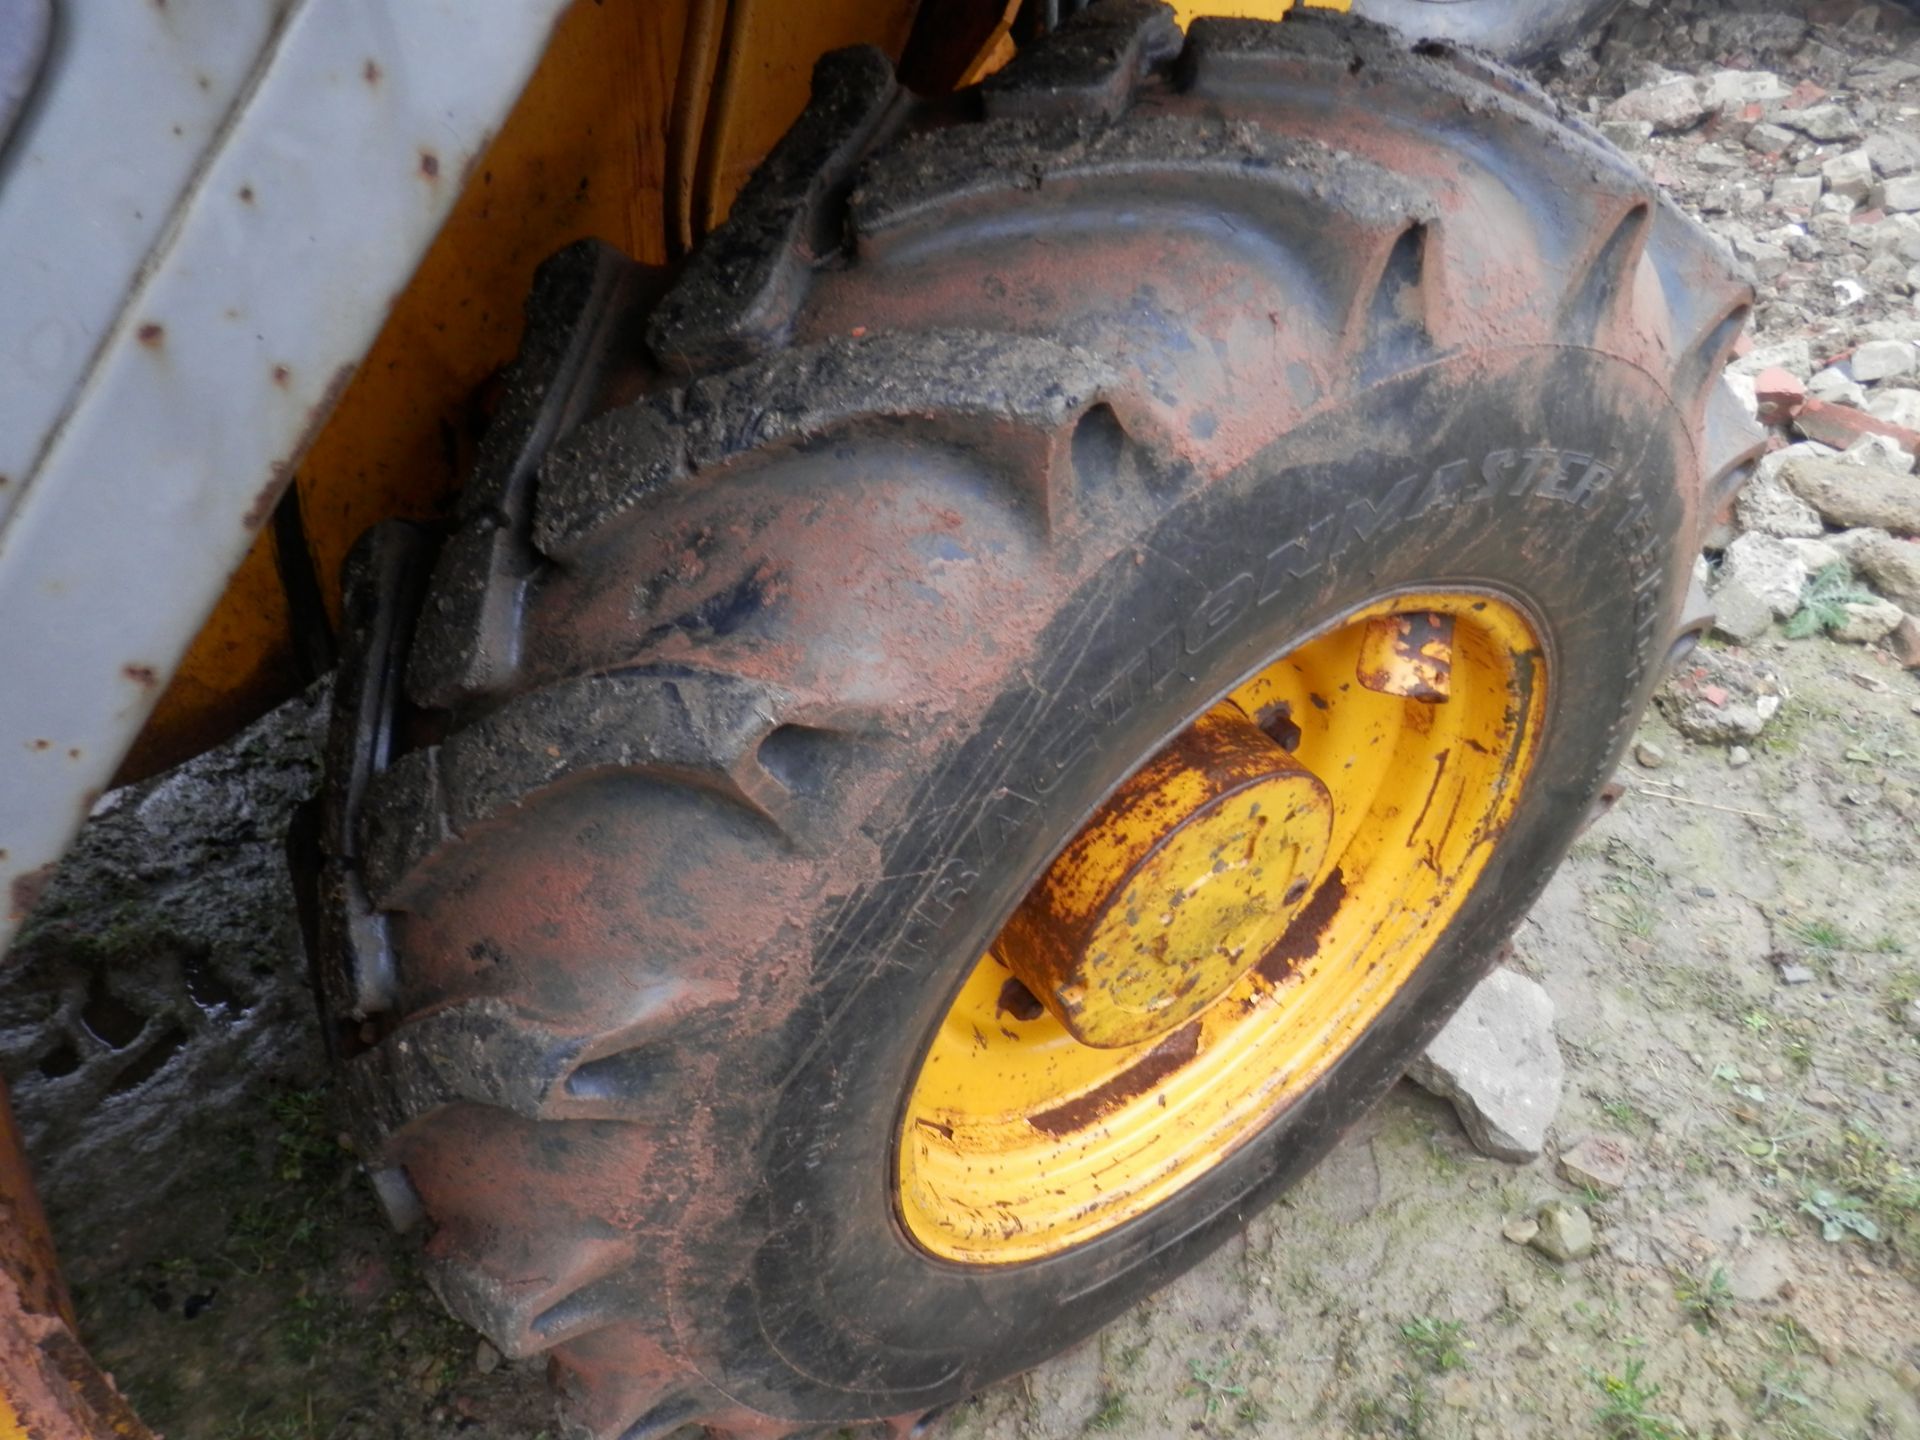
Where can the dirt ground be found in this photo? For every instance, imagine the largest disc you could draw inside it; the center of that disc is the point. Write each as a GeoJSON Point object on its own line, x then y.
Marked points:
{"type": "Point", "coordinates": [1734, 954]}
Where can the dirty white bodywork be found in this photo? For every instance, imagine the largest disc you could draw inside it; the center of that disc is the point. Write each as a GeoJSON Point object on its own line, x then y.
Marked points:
{"type": "Point", "coordinates": [206, 212]}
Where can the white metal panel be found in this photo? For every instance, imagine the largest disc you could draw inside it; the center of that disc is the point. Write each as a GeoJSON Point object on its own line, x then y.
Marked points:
{"type": "Point", "coordinates": [129, 111]}
{"type": "Point", "coordinates": [337, 168]}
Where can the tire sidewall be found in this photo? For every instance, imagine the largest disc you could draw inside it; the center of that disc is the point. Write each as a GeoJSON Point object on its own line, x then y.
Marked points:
{"type": "Point", "coordinates": [1549, 476]}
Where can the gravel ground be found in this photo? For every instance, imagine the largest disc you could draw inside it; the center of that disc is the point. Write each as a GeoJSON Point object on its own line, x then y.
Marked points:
{"type": "Point", "coordinates": [1733, 954]}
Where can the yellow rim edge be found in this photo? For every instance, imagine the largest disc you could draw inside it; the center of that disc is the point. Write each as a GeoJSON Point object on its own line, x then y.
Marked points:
{"type": "Point", "coordinates": [1018, 1142]}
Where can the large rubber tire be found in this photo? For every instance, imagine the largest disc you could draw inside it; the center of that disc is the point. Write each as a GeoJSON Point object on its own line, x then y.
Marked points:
{"type": "Point", "coordinates": [988, 443]}
{"type": "Point", "coordinates": [1520, 31]}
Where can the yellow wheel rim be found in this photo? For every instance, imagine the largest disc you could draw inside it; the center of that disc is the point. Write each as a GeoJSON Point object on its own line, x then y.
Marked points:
{"type": "Point", "coordinates": [1418, 718]}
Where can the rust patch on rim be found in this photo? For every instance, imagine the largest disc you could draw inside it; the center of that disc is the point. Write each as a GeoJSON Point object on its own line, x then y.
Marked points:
{"type": "Point", "coordinates": [1302, 938]}
{"type": "Point", "coordinates": [1408, 654]}
{"type": "Point", "coordinates": [1156, 1065]}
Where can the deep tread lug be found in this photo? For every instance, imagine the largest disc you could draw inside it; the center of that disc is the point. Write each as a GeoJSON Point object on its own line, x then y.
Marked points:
{"type": "Point", "coordinates": [739, 291]}
{"type": "Point", "coordinates": [1024, 393]}
{"type": "Point", "coordinates": [1090, 66]}
{"type": "Point", "coordinates": [1605, 287]}
{"type": "Point", "coordinates": [684, 727]}
{"type": "Point", "coordinates": [468, 631]}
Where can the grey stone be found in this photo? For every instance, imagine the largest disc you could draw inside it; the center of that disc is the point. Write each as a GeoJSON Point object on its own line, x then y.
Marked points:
{"type": "Point", "coordinates": [1849, 174]}
{"type": "Point", "coordinates": [1769, 139]}
{"type": "Point", "coordinates": [1798, 191]}
{"type": "Point", "coordinates": [1676, 104]}
{"type": "Point", "coordinates": [1739, 757]}
{"type": "Point", "coordinates": [1825, 123]}
{"type": "Point", "coordinates": [1879, 359]}
{"type": "Point", "coordinates": [1521, 1229]}
{"type": "Point", "coordinates": [1566, 1232]}
{"type": "Point", "coordinates": [1893, 566]}
{"type": "Point", "coordinates": [1498, 1063]}
{"type": "Point", "coordinates": [1767, 507]}
{"type": "Point", "coordinates": [1769, 569]}
{"type": "Point", "coordinates": [1600, 1162]}
{"type": "Point", "coordinates": [1795, 356]}
{"type": "Point", "coordinates": [1744, 87]}
{"type": "Point", "coordinates": [1836, 386]}
{"type": "Point", "coordinates": [1629, 135]}
{"type": "Point", "coordinates": [1901, 193]}
{"type": "Point", "coordinates": [1881, 452]}
{"type": "Point", "coordinates": [1853, 495]}
{"type": "Point", "coordinates": [1897, 235]}
{"type": "Point", "coordinates": [1793, 974]}
{"type": "Point", "coordinates": [1868, 621]}
{"type": "Point", "coordinates": [1767, 259]}
{"type": "Point", "coordinates": [1893, 151]}
{"type": "Point", "coordinates": [1816, 555]}
{"type": "Point", "coordinates": [1739, 614]}
{"type": "Point", "coordinates": [1883, 74]}
{"type": "Point", "coordinates": [1774, 461]}
{"type": "Point", "coordinates": [1897, 407]}
{"type": "Point", "coordinates": [1650, 755]}
{"type": "Point", "coordinates": [175, 910]}
{"type": "Point", "coordinates": [1849, 542]}
{"type": "Point", "coordinates": [1721, 697]}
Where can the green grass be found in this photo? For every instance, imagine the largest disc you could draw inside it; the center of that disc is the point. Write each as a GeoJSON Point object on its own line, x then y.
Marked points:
{"type": "Point", "coordinates": [1215, 1385]}
{"type": "Point", "coordinates": [1623, 1413]}
{"type": "Point", "coordinates": [1706, 1297]}
{"type": "Point", "coordinates": [1626, 1116]}
{"type": "Point", "coordinates": [1816, 934]}
{"type": "Point", "coordinates": [1437, 1346]}
{"type": "Point", "coordinates": [1111, 1413]}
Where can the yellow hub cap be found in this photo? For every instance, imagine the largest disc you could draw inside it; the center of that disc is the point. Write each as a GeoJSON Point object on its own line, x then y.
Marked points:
{"type": "Point", "coordinates": [1225, 927]}
{"type": "Point", "coordinates": [1186, 877]}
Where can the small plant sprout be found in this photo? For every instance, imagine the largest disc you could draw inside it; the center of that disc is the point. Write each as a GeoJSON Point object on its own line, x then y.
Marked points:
{"type": "Point", "coordinates": [1816, 934]}
{"type": "Point", "coordinates": [1214, 1384]}
{"type": "Point", "coordinates": [1839, 1216]}
{"type": "Point", "coordinates": [1111, 1413]}
{"type": "Point", "coordinates": [1437, 1345]}
{"type": "Point", "coordinates": [1823, 604]}
{"type": "Point", "coordinates": [1623, 1413]}
{"type": "Point", "coordinates": [1706, 1298]}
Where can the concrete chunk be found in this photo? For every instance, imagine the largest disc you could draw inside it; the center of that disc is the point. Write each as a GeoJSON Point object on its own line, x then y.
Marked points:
{"type": "Point", "coordinates": [1498, 1063]}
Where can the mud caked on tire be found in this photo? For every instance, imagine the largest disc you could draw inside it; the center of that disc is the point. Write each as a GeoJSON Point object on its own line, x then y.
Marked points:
{"type": "Point", "coordinates": [804, 604]}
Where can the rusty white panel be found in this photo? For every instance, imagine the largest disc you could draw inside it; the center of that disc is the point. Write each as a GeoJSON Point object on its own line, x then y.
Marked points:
{"type": "Point", "coordinates": [264, 280]}
{"type": "Point", "coordinates": [131, 107]}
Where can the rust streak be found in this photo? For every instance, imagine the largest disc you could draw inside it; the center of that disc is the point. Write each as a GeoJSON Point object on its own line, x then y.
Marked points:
{"type": "Point", "coordinates": [1439, 770]}
{"type": "Point", "coordinates": [1158, 1063]}
{"type": "Point", "coordinates": [1301, 939]}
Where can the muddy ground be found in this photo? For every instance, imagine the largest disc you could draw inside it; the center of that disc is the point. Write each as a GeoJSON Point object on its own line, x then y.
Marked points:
{"type": "Point", "coordinates": [1755, 1276]}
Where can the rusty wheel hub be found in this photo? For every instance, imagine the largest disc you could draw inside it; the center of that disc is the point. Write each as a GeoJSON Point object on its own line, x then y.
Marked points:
{"type": "Point", "coordinates": [1186, 876]}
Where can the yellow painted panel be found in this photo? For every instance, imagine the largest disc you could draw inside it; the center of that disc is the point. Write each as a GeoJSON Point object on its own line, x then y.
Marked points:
{"type": "Point", "coordinates": [582, 154]}
{"type": "Point", "coordinates": [766, 74]}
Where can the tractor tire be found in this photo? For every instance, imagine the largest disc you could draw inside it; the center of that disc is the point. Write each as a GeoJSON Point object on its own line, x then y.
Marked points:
{"type": "Point", "coordinates": [804, 603]}
{"type": "Point", "coordinates": [1522, 32]}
